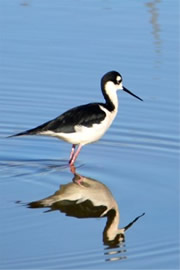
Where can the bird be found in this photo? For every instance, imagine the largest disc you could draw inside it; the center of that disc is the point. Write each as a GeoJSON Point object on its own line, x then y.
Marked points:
{"type": "Point", "coordinates": [87, 123]}
{"type": "Point", "coordinates": [88, 199]}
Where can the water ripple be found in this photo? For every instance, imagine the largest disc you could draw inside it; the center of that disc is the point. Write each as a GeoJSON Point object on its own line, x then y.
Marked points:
{"type": "Point", "coordinates": [142, 139]}
{"type": "Point", "coordinates": [97, 257]}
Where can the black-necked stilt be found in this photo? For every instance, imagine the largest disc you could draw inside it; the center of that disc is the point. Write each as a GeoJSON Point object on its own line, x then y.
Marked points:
{"type": "Point", "coordinates": [86, 123]}
{"type": "Point", "coordinates": [90, 199]}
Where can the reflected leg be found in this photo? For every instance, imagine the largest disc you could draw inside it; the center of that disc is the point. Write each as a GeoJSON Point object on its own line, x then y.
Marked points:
{"type": "Point", "coordinates": [77, 177]}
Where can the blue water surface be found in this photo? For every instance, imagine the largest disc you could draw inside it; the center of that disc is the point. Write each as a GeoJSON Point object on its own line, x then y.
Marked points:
{"type": "Point", "coordinates": [53, 55]}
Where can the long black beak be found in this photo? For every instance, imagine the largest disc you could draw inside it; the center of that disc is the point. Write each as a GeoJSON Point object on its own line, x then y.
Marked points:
{"type": "Point", "coordinates": [129, 92]}
{"type": "Point", "coordinates": [132, 222]}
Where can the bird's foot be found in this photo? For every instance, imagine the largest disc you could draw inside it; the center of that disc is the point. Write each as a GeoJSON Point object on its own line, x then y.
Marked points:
{"type": "Point", "coordinates": [78, 179]}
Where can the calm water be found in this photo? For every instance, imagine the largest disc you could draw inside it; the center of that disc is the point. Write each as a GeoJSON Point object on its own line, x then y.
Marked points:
{"type": "Point", "coordinates": [53, 54]}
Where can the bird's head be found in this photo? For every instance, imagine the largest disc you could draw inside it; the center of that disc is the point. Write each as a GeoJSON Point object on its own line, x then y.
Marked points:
{"type": "Point", "coordinates": [112, 81]}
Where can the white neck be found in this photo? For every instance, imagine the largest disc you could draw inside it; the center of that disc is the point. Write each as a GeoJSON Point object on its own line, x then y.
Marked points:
{"type": "Point", "coordinates": [110, 90]}
{"type": "Point", "coordinates": [111, 228]}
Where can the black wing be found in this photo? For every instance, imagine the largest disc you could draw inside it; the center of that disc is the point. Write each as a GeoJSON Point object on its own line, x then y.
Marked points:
{"type": "Point", "coordinates": [85, 115]}
{"type": "Point", "coordinates": [84, 209]}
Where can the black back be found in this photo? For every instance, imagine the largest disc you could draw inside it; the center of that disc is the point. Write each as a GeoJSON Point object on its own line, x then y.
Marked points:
{"type": "Point", "coordinates": [85, 115]}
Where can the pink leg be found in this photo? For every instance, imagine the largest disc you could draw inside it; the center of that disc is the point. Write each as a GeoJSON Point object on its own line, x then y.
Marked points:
{"type": "Point", "coordinates": [74, 157]}
{"type": "Point", "coordinates": [72, 151]}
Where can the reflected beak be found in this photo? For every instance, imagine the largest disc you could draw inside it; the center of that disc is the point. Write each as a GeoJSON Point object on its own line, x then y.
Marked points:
{"type": "Point", "coordinates": [129, 92]}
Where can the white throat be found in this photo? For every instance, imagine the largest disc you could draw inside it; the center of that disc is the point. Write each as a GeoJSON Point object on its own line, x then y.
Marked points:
{"type": "Point", "coordinates": [111, 91]}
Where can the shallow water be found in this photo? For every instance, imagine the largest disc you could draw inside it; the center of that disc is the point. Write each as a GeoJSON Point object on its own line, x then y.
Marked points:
{"type": "Point", "coordinates": [52, 58]}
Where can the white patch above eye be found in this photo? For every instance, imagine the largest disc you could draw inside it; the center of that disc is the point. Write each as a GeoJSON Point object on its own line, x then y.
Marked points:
{"type": "Point", "coordinates": [118, 78]}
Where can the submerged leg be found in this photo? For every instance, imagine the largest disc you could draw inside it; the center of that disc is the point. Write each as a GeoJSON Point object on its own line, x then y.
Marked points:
{"type": "Point", "coordinates": [75, 155]}
{"type": "Point", "coordinates": [73, 169]}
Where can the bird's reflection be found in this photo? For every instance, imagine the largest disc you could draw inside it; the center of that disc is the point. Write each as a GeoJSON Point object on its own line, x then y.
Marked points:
{"type": "Point", "coordinates": [85, 197]}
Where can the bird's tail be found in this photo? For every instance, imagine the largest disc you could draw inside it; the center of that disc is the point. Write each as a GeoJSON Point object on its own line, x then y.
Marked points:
{"type": "Point", "coordinates": [27, 132]}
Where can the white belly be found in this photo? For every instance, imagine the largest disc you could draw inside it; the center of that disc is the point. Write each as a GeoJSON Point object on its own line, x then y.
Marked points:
{"type": "Point", "coordinates": [85, 135]}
